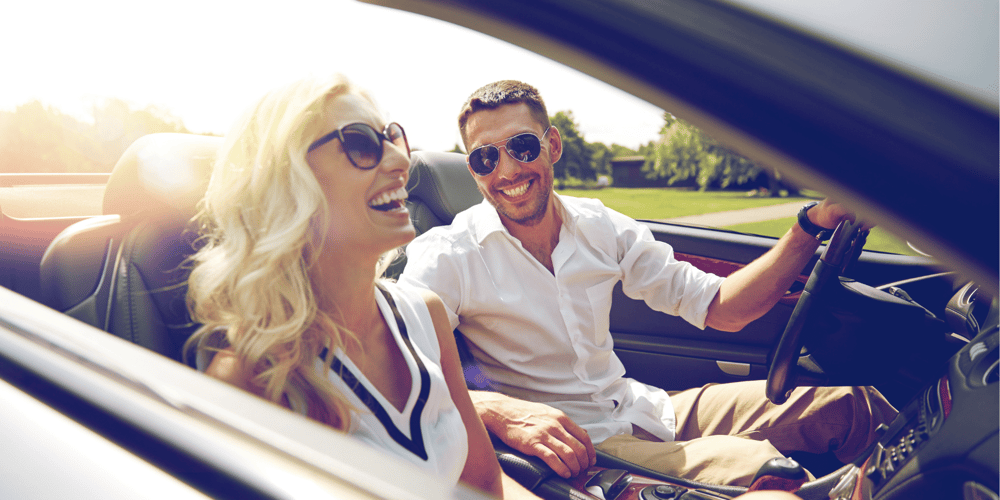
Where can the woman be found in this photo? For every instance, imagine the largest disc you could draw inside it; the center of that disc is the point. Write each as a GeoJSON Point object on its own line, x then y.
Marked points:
{"type": "Point", "coordinates": [304, 209]}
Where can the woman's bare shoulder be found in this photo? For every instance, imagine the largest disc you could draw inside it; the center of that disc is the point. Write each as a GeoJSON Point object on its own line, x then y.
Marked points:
{"type": "Point", "coordinates": [227, 367]}
{"type": "Point", "coordinates": [435, 306]}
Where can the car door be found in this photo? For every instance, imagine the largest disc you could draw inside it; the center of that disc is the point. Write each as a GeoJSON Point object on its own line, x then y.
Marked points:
{"type": "Point", "coordinates": [34, 208]}
{"type": "Point", "coordinates": [668, 352]}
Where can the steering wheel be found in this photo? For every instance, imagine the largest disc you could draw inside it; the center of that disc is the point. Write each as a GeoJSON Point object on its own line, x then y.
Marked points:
{"type": "Point", "coordinates": [842, 252]}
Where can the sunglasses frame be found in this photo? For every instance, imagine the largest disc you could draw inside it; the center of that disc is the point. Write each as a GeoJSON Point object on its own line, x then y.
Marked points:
{"type": "Point", "coordinates": [468, 158]}
{"type": "Point", "coordinates": [365, 128]}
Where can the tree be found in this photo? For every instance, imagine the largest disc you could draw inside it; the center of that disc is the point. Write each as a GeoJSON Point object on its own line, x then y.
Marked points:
{"type": "Point", "coordinates": [600, 157]}
{"type": "Point", "coordinates": [619, 150]}
{"type": "Point", "coordinates": [576, 156]}
{"type": "Point", "coordinates": [684, 152]}
{"type": "Point", "coordinates": [36, 138]}
{"type": "Point", "coordinates": [117, 125]}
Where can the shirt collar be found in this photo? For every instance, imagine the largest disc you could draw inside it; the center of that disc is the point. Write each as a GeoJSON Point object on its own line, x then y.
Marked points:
{"type": "Point", "coordinates": [485, 220]}
{"type": "Point", "coordinates": [567, 212]}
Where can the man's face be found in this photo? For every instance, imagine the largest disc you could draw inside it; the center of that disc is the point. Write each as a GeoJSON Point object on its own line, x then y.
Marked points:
{"type": "Point", "coordinates": [519, 191]}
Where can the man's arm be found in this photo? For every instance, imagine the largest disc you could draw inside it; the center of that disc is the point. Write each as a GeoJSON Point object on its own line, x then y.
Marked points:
{"type": "Point", "coordinates": [753, 290]}
{"type": "Point", "coordinates": [537, 429]}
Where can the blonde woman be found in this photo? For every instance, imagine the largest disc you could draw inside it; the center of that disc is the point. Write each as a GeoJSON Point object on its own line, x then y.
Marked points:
{"type": "Point", "coordinates": [304, 208]}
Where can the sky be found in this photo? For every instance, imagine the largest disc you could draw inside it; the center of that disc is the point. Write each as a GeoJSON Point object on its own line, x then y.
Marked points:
{"type": "Point", "coordinates": [206, 61]}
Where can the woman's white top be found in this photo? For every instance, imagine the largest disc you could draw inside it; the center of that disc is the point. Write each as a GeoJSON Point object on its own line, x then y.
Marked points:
{"type": "Point", "coordinates": [429, 431]}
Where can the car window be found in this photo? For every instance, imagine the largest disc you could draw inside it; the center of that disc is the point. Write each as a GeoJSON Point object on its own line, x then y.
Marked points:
{"type": "Point", "coordinates": [102, 74]}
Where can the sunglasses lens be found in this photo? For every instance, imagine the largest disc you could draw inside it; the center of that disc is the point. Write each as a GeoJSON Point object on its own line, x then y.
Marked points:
{"type": "Point", "coordinates": [484, 160]}
{"type": "Point", "coordinates": [394, 132]}
{"type": "Point", "coordinates": [362, 145]}
{"type": "Point", "coordinates": [524, 147]}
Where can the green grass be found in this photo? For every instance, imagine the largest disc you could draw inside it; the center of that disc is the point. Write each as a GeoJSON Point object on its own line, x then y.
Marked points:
{"type": "Point", "coordinates": [878, 239]}
{"type": "Point", "coordinates": [665, 203]}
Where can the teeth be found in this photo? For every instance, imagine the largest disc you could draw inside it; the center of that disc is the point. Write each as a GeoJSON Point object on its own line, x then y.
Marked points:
{"type": "Point", "coordinates": [384, 198]}
{"type": "Point", "coordinates": [518, 191]}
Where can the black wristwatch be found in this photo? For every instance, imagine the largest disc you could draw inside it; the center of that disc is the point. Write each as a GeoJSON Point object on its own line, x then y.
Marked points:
{"type": "Point", "coordinates": [818, 232]}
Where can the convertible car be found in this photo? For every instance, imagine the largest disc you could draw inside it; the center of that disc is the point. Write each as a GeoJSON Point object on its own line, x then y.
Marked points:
{"type": "Point", "coordinates": [97, 403]}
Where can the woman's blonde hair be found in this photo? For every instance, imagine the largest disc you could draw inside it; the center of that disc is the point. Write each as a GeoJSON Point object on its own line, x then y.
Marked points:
{"type": "Point", "coordinates": [263, 221]}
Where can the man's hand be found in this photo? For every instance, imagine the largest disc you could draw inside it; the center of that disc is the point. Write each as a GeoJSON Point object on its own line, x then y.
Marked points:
{"type": "Point", "coordinates": [537, 429]}
{"type": "Point", "coordinates": [829, 213]}
{"type": "Point", "coordinates": [752, 291]}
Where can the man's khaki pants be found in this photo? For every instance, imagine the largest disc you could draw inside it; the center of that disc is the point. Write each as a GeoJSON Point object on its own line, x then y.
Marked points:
{"type": "Point", "coordinates": [726, 432]}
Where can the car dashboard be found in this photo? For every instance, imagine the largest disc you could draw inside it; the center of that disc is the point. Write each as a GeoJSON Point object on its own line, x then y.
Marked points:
{"type": "Point", "coordinates": [945, 439]}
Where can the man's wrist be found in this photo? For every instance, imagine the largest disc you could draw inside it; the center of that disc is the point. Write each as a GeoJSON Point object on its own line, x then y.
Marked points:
{"type": "Point", "coordinates": [818, 232]}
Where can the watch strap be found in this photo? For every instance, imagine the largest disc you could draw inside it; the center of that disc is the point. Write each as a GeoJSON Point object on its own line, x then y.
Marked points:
{"type": "Point", "coordinates": [818, 232]}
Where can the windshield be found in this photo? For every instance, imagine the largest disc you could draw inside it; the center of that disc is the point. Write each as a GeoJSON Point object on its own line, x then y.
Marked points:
{"type": "Point", "coordinates": [83, 84]}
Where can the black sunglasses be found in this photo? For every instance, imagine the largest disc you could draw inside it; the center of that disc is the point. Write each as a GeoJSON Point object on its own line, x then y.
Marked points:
{"type": "Point", "coordinates": [524, 148]}
{"type": "Point", "coordinates": [363, 144]}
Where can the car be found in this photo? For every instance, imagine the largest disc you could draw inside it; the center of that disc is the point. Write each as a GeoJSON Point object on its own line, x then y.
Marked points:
{"type": "Point", "coordinates": [89, 414]}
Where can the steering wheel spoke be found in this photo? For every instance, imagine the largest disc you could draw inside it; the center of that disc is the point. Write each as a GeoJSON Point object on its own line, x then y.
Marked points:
{"type": "Point", "coordinates": [839, 256]}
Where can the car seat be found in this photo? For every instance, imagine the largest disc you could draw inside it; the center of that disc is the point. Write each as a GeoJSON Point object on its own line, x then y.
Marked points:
{"type": "Point", "coordinates": [124, 272]}
{"type": "Point", "coordinates": [440, 187]}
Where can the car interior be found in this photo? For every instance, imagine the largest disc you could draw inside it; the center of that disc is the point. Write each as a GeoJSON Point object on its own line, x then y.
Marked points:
{"type": "Point", "coordinates": [124, 272]}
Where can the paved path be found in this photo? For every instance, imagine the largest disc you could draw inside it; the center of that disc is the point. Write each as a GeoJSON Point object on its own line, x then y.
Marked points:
{"type": "Point", "coordinates": [746, 215]}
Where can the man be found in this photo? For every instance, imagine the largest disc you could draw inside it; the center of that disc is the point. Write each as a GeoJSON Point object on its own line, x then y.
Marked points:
{"type": "Point", "coordinates": [527, 277]}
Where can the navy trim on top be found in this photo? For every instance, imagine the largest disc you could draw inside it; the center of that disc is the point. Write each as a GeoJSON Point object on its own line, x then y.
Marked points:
{"type": "Point", "coordinates": [416, 444]}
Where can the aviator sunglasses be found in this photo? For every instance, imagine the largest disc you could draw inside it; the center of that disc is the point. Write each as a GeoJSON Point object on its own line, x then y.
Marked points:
{"type": "Point", "coordinates": [363, 144]}
{"type": "Point", "coordinates": [524, 148]}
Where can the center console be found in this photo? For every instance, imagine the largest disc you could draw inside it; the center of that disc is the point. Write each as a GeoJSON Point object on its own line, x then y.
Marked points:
{"type": "Point", "coordinates": [944, 443]}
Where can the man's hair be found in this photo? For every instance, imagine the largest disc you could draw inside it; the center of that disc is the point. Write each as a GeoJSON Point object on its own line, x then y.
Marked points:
{"type": "Point", "coordinates": [496, 94]}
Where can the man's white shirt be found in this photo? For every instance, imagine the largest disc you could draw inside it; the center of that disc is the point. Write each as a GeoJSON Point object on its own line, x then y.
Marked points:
{"type": "Point", "coordinates": [544, 336]}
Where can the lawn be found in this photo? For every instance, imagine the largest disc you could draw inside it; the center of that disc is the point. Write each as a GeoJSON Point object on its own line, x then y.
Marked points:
{"type": "Point", "coordinates": [878, 238]}
{"type": "Point", "coordinates": [665, 203]}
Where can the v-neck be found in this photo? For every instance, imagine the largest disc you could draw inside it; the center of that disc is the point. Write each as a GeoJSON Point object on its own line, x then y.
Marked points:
{"type": "Point", "coordinates": [402, 425]}
{"type": "Point", "coordinates": [408, 358]}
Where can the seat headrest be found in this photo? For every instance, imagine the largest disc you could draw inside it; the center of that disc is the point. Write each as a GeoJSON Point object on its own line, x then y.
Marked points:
{"type": "Point", "coordinates": [161, 172]}
{"type": "Point", "coordinates": [443, 183]}
{"type": "Point", "coordinates": [169, 172]}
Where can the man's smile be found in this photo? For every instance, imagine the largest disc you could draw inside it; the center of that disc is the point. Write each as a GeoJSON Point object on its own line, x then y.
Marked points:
{"type": "Point", "coordinates": [517, 190]}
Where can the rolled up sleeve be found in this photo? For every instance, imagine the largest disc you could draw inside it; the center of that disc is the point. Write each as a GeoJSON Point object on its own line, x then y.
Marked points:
{"type": "Point", "coordinates": [651, 273]}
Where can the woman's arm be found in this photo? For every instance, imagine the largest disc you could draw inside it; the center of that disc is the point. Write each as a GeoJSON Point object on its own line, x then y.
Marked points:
{"type": "Point", "coordinates": [482, 471]}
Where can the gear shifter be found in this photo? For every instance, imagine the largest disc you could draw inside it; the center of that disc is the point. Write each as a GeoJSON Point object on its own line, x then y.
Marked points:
{"type": "Point", "coordinates": [608, 484]}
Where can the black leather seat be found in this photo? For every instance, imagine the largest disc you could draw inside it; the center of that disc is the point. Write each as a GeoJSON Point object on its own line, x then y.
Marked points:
{"type": "Point", "coordinates": [440, 187]}
{"type": "Point", "coordinates": [124, 272]}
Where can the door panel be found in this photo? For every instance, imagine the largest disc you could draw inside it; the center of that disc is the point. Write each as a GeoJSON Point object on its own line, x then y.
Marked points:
{"type": "Point", "coordinates": [34, 208]}
{"type": "Point", "coordinates": [22, 244]}
{"type": "Point", "coordinates": [676, 373]}
{"type": "Point", "coordinates": [668, 352]}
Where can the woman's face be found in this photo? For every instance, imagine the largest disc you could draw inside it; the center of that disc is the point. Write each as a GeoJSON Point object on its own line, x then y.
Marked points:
{"type": "Point", "coordinates": [367, 207]}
